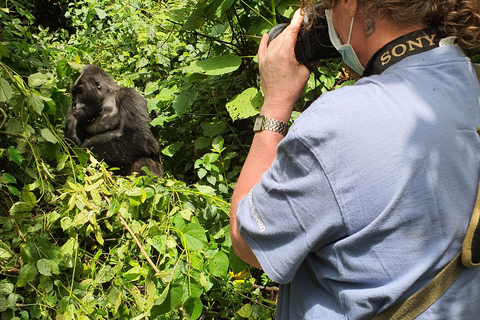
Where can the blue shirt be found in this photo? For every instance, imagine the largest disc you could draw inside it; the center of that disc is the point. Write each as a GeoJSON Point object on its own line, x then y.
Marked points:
{"type": "Point", "coordinates": [371, 193]}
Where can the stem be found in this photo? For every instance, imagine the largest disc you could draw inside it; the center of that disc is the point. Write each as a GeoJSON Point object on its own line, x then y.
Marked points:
{"type": "Point", "coordinates": [274, 13]}
{"type": "Point", "coordinates": [256, 11]}
{"type": "Point", "coordinates": [138, 243]}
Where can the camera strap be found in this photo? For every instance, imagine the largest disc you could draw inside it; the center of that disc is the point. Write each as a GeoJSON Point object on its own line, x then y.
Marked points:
{"type": "Point", "coordinates": [396, 50]}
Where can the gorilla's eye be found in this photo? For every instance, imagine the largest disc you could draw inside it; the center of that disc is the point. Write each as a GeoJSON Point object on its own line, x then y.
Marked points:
{"type": "Point", "coordinates": [78, 91]}
{"type": "Point", "coordinates": [99, 86]}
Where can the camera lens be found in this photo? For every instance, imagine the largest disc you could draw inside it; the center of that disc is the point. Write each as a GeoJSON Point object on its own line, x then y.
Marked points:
{"type": "Point", "coordinates": [275, 31]}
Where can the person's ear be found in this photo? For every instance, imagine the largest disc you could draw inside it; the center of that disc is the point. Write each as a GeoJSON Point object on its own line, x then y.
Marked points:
{"type": "Point", "coordinates": [350, 6]}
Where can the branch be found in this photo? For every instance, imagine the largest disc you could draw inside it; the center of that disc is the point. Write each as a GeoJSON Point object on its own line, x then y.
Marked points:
{"type": "Point", "coordinates": [4, 118]}
{"type": "Point", "coordinates": [135, 239]}
{"type": "Point", "coordinates": [138, 243]}
{"type": "Point", "coordinates": [13, 135]}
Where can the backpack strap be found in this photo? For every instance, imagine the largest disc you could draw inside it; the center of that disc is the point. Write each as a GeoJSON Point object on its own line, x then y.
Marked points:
{"type": "Point", "coordinates": [423, 299]}
{"type": "Point", "coordinates": [477, 70]}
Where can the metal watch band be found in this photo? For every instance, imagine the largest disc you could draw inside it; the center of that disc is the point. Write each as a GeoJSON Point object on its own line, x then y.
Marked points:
{"type": "Point", "coordinates": [264, 123]}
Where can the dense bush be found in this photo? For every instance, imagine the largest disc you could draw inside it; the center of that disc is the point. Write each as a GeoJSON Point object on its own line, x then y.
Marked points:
{"type": "Point", "coordinates": [77, 242]}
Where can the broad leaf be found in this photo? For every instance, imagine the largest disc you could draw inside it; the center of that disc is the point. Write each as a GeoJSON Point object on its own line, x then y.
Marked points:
{"type": "Point", "coordinates": [245, 105]}
{"type": "Point", "coordinates": [215, 66]}
{"type": "Point", "coordinates": [218, 266]}
{"type": "Point", "coordinates": [5, 90]}
{"type": "Point", "coordinates": [195, 237]}
{"type": "Point", "coordinates": [48, 135]}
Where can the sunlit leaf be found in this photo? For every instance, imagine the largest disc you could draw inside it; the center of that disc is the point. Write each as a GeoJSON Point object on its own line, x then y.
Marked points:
{"type": "Point", "coordinates": [245, 105]}
{"type": "Point", "coordinates": [37, 79]}
{"type": "Point", "coordinates": [215, 66]}
{"type": "Point", "coordinates": [245, 311]}
{"type": "Point", "coordinates": [47, 267]}
{"type": "Point", "coordinates": [195, 237]}
{"type": "Point", "coordinates": [20, 208]}
{"type": "Point", "coordinates": [100, 13]}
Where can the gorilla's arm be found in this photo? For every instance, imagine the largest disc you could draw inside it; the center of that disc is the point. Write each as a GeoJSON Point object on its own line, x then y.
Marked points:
{"type": "Point", "coordinates": [109, 119]}
{"type": "Point", "coordinates": [102, 139]}
{"type": "Point", "coordinates": [72, 130]}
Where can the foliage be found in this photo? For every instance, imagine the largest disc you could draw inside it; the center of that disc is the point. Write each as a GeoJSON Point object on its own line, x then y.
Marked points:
{"type": "Point", "coordinates": [77, 242]}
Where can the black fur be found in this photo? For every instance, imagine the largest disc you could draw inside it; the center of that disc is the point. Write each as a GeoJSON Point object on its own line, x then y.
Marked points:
{"type": "Point", "coordinates": [112, 121]}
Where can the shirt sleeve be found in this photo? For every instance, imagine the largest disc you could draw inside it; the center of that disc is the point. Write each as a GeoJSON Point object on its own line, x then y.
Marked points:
{"type": "Point", "coordinates": [291, 212]}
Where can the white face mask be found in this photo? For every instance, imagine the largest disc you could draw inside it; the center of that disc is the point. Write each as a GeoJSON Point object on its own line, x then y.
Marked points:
{"type": "Point", "coordinates": [346, 50]}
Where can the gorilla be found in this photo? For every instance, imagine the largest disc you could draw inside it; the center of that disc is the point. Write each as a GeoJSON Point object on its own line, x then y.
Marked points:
{"type": "Point", "coordinates": [113, 122]}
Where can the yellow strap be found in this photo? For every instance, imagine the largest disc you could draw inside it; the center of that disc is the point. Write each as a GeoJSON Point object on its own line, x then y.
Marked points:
{"type": "Point", "coordinates": [477, 70]}
{"type": "Point", "coordinates": [425, 297]}
{"type": "Point", "coordinates": [468, 241]}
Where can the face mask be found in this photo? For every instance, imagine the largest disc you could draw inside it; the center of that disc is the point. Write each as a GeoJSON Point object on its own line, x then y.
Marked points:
{"type": "Point", "coordinates": [346, 50]}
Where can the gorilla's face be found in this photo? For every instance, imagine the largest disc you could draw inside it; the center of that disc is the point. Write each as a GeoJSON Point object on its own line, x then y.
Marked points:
{"type": "Point", "coordinates": [87, 97]}
{"type": "Point", "coordinates": [90, 91]}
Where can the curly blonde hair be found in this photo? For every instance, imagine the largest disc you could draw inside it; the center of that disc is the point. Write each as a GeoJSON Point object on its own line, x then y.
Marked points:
{"type": "Point", "coordinates": [459, 18]}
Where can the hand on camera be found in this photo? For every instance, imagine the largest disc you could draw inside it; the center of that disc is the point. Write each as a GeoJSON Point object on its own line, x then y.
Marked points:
{"type": "Point", "coordinates": [283, 78]}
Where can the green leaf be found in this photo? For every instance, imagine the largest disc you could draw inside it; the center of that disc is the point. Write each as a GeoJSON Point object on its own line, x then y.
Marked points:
{"type": "Point", "coordinates": [6, 288]}
{"type": "Point", "coordinates": [218, 266]}
{"type": "Point", "coordinates": [67, 253]}
{"type": "Point", "coordinates": [9, 178]}
{"type": "Point", "coordinates": [217, 144]}
{"type": "Point", "coordinates": [195, 237]}
{"type": "Point", "coordinates": [82, 218]}
{"type": "Point", "coordinates": [47, 267]}
{"type": "Point", "coordinates": [29, 198]}
{"type": "Point", "coordinates": [202, 143]}
{"type": "Point", "coordinates": [196, 18]}
{"type": "Point", "coordinates": [5, 90]}
{"type": "Point", "coordinates": [213, 128]}
{"type": "Point", "coordinates": [5, 255]}
{"type": "Point", "coordinates": [166, 94]}
{"type": "Point", "coordinates": [215, 66]}
{"type": "Point", "coordinates": [113, 207]}
{"type": "Point", "coordinates": [245, 105]}
{"type": "Point", "coordinates": [245, 311]}
{"type": "Point", "coordinates": [14, 155]}
{"type": "Point", "coordinates": [37, 79]}
{"type": "Point", "coordinates": [201, 173]}
{"type": "Point", "coordinates": [100, 13]}
{"type": "Point", "coordinates": [217, 8]}
{"type": "Point", "coordinates": [36, 102]}
{"type": "Point", "coordinates": [182, 103]}
{"type": "Point", "coordinates": [3, 304]}
{"type": "Point", "coordinates": [193, 308]}
{"type": "Point", "coordinates": [172, 300]}
{"type": "Point", "coordinates": [170, 150]}
{"type": "Point", "coordinates": [63, 68]}
{"type": "Point", "coordinates": [48, 135]}
{"type": "Point", "coordinates": [20, 208]}
{"type": "Point", "coordinates": [28, 273]}
{"type": "Point", "coordinates": [105, 274]}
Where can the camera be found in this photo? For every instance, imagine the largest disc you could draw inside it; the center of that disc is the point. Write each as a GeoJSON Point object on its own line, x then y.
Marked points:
{"type": "Point", "coordinates": [313, 43]}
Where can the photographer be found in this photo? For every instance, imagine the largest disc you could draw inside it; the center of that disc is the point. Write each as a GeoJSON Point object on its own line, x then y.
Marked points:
{"type": "Point", "coordinates": [370, 193]}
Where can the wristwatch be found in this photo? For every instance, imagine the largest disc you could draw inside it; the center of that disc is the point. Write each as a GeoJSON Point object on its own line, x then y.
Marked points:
{"type": "Point", "coordinates": [264, 123]}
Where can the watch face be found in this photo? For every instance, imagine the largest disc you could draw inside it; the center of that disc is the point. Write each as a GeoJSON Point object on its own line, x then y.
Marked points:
{"type": "Point", "coordinates": [258, 124]}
